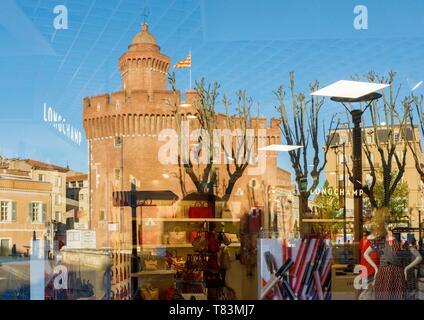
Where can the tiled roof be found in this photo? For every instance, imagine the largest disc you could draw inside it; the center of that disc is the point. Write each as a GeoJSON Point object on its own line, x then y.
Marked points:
{"type": "Point", "coordinates": [45, 166]}
{"type": "Point", "coordinates": [78, 177]}
{"type": "Point", "coordinates": [14, 172]}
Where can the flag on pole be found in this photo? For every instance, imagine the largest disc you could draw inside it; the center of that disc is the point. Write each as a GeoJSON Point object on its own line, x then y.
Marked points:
{"type": "Point", "coordinates": [186, 63]}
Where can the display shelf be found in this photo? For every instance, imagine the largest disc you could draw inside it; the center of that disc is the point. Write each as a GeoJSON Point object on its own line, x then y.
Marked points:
{"type": "Point", "coordinates": [191, 219]}
{"type": "Point", "coordinates": [153, 273]}
{"type": "Point", "coordinates": [317, 220]}
{"type": "Point", "coordinates": [181, 245]}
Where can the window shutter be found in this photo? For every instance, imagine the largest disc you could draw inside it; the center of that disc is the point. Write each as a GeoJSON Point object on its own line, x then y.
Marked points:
{"type": "Point", "coordinates": [44, 212]}
{"type": "Point", "coordinates": [13, 211]}
{"type": "Point", "coordinates": [30, 212]}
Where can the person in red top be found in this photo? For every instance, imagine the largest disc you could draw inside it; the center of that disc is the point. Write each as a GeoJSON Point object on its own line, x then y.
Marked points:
{"type": "Point", "coordinates": [363, 246]}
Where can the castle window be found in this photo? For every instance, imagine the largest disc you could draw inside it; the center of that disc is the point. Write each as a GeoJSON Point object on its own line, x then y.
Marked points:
{"type": "Point", "coordinates": [98, 107]}
{"type": "Point", "coordinates": [117, 176]}
{"type": "Point", "coordinates": [118, 104]}
{"type": "Point", "coordinates": [117, 142]}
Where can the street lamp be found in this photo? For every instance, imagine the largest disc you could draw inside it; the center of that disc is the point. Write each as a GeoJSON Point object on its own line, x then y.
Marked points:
{"type": "Point", "coordinates": [346, 91]}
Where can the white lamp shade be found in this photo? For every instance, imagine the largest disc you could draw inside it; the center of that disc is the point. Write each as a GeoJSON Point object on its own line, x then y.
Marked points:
{"type": "Point", "coordinates": [349, 89]}
{"type": "Point", "coordinates": [279, 147]}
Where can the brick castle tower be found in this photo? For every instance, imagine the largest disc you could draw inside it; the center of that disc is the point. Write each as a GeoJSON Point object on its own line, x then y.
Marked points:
{"type": "Point", "coordinates": [122, 131]}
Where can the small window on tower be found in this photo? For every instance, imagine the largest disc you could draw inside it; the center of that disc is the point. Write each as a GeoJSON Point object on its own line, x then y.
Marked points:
{"type": "Point", "coordinates": [118, 104]}
{"type": "Point", "coordinates": [117, 175]}
{"type": "Point", "coordinates": [118, 142]}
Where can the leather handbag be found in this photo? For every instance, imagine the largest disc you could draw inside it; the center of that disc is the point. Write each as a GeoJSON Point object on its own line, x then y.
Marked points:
{"type": "Point", "coordinates": [193, 235]}
{"type": "Point", "coordinates": [177, 236]}
{"type": "Point", "coordinates": [200, 243]}
{"type": "Point", "coordinates": [200, 211]}
{"type": "Point", "coordinates": [150, 264]}
{"type": "Point", "coordinates": [150, 293]}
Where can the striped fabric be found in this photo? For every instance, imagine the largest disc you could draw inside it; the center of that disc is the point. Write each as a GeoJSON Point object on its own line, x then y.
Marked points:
{"type": "Point", "coordinates": [186, 63]}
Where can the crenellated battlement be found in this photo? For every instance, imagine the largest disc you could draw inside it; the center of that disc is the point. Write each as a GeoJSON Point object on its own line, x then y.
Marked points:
{"type": "Point", "coordinates": [139, 101]}
{"type": "Point", "coordinates": [109, 115]}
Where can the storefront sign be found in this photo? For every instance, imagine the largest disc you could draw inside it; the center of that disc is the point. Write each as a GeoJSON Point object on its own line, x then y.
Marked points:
{"type": "Point", "coordinates": [81, 239]}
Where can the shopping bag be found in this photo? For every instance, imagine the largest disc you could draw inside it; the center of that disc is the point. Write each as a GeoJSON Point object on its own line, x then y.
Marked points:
{"type": "Point", "coordinates": [200, 211]}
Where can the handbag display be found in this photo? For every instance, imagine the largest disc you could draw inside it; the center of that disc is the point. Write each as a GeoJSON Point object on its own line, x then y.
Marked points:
{"type": "Point", "coordinates": [176, 236]}
{"type": "Point", "coordinates": [200, 211]}
{"type": "Point", "coordinates": [200, 243]}
{"type": "Point", "coordinates": [150, 263]}
{"type": "Point", "coordinates": [194, 233]}
{"type": "Point", "coordinates": [150, 235]}
{"type": "Point", "coordinates": [150, 293]}
{"type": "Point", "coordinates": [193, 270]}
{"type": "Point", "coordinates": [175, 262]}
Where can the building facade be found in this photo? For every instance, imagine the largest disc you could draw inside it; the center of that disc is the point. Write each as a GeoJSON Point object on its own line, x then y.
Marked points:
{"type": "Point", "coordinates": [334, 167]}
{"type": "Point", "coordinates": [25, 207]}
{"type": "Point", "coordinates": [77, 195]}
{"type": "Point", "coordinates": [46, 172]}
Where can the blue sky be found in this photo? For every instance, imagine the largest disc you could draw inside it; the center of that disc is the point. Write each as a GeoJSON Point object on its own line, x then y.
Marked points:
{"type": "Point", "coordinates": [243, 44]}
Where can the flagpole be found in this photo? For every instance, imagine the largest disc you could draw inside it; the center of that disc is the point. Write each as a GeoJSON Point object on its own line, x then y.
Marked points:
{"type": "Point", "coordinates": [190, 68]}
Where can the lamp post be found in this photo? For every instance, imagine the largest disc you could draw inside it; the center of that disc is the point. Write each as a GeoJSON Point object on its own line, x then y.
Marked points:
{"type": "Point", "coordinates": [345, 91]}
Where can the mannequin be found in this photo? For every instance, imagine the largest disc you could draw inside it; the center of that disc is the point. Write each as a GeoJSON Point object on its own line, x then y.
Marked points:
{"type": "Point", "coordinates": [390, 278]}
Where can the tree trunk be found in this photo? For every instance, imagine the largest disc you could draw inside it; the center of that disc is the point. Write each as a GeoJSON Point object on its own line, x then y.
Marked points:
{"type": "Point", "coordinates": [304, 228]}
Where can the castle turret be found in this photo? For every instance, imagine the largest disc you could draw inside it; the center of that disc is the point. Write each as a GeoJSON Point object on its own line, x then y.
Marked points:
{"type": "Point", "coordinates": [143, 66]}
